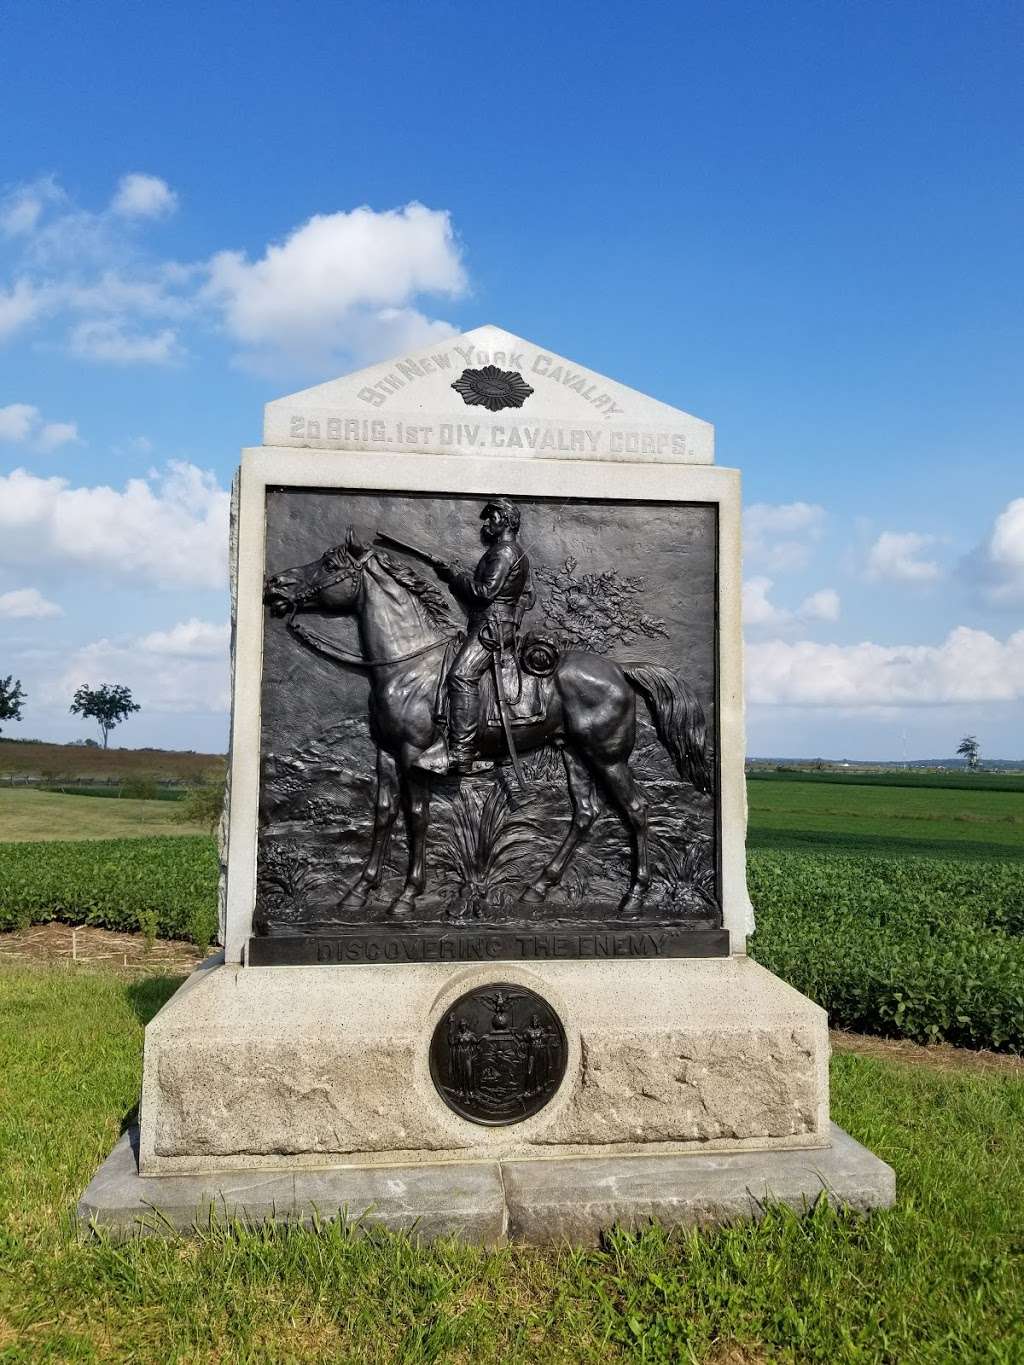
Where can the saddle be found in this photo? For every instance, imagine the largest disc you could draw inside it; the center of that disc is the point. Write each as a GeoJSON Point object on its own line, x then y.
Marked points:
{"type": "Point", "coordinates": [523, 673]}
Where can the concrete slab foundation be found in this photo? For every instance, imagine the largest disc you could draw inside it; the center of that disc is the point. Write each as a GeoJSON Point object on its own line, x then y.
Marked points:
{"type": "Point", "coordinates": [539, 1201]}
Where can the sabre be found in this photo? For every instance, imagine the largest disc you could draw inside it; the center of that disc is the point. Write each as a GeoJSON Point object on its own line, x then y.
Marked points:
{"type": "Point", "coordinates": [506, 724]}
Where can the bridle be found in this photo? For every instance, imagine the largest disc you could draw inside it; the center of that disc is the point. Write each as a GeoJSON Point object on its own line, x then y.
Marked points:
{"type": "Point", "coordinates": [328, 647]}
{"type": "Point", "coordinates": [320, 585]}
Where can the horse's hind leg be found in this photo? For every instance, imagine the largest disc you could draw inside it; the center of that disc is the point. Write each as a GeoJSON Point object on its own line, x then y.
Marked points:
{"type": "Point", "coordinates": [633, 809]}
{"type": "Point", "coordinates": [385, 811]}
{"type": "Point", "coordinates": [585, 810]}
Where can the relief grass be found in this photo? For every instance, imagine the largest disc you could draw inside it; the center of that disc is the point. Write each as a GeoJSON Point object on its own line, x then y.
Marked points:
{"type": "Point", "coordinates": [937, 1278]}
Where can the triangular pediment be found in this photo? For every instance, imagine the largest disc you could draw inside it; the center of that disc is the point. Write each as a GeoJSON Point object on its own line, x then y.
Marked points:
{"type": "Point", "coordinates": [487, 392]}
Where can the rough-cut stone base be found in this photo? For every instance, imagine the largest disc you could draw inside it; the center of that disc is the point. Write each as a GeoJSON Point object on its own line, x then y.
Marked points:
{"type": "Point", "coordinates": [283, 1068]}
{"type": "Point", "coordinates": [490, 1202]}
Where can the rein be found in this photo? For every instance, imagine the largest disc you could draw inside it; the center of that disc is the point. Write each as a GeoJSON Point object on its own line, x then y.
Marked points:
{"type": "Point", "coordinates": [332, 651]}
{"type": "Point", "coordinates": [327, 647]}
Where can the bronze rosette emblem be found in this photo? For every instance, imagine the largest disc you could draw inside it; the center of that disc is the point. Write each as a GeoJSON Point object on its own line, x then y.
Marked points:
{"type": "Point", "coordinates": [492, 388]}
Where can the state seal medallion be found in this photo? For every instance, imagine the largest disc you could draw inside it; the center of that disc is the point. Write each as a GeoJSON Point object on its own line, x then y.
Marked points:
{"type": "Point", "coordinates": [498, 1054]}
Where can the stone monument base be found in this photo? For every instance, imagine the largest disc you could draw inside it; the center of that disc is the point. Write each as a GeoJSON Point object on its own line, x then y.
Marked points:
{"type": "Point", "coordinates": [694, 1092]}
{"type": "Point", "coordinates": [488, 1202]}
{"type": "Point", "coordinates": [281, 1069]}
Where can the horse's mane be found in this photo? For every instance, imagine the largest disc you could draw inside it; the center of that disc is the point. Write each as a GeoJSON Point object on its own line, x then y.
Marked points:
{"type": "Point", "coordinates": [435, 604]}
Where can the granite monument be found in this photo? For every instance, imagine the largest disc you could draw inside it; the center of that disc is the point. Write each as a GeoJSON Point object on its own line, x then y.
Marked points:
{"type": "Point", "coordinates": [484, 910]}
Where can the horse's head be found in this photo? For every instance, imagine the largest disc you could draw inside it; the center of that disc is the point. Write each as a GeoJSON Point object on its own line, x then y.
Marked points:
{"type": "Point", "coordinates": [329, 584]}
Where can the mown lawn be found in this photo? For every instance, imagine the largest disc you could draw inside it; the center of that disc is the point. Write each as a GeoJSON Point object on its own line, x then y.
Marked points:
{"type": "Point", "coordinates": [29, 816]}
{"type": "Point", "coordinates": [938, 1278]}
{"type": "Point", "coordinates": [915, 820]}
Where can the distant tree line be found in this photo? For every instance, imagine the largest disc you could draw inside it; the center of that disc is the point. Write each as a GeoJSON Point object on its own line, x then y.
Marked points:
{"type": "Point", "coordinates": [108, 705]}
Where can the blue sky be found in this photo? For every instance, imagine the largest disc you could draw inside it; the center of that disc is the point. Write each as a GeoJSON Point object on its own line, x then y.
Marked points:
{"type": "Point", "coordinates": [801, 222]}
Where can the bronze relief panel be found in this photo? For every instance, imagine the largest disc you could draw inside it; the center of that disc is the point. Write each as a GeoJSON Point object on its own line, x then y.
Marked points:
{"type": "Point", "coordinates": [488, 729]}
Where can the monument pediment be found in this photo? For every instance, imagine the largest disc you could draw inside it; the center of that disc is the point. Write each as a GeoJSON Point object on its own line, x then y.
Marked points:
{"type": "Point", "coordinates": [488, 392]}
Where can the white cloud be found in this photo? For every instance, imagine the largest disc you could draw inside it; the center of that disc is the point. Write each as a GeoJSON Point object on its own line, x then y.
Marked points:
{"type": "Point", "coordinates": [341, 282]}
{"type": "Point", "coordinates": [112, 293]}
{"type": "Point", "coordinates": [822, 605]}
{"type": "Point", "coordinates": [757, 609]}
{"type": "Point", "coordinates": [171, 532]}
{"type": "Point", "coordinates": [105, 340]}
{"type": "Point", "coordinates": [780, 536]}
{"type": "Point", "coordinates": [23, 424]}
{"type": "Point", "coordinates": [17, 421]}
{"type": "Point", "coordinates": [340, 289]}
{"type": "Point", "coordinates": [53, 435]}
{"type": "Point", "coordinates": [143, 196]}
{"type": "Point", "coordinates": [22, 207]}
{"type": "Point", "coordinates": [997, 566]}
{"type": "Point", "coordinates": [27, 604]}
{"type": "Point", "coordinates": [894, 558]}
{"type": "Point", "coordinates": [23, 303]}
{"type": "Point", "coordinates": [161, 680]}
{"type": "Point", "coordinates": [74, 261]}
{"type": "Point", "coordinates": [969, 666]}
{"type": "Point", "coordinates": [760, 613]}
{"type": "Point", "coordinates": [192, 639]}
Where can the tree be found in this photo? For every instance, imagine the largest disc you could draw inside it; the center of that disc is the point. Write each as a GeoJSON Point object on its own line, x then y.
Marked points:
{"type": "Point", "coordinates": [107, 705]}
{"type": "Point", "coordinates": [12, 698]}
{"type": "Point", "coordinates": [969, 749]}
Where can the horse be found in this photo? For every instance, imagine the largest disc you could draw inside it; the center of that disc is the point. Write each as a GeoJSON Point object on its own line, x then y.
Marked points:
{"type": "Point", "coordinates": [404, 627]}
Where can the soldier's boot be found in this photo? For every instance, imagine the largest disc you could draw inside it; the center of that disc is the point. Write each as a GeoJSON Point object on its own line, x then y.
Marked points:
{"type": "Point", "coordinates": [453, 756]}
{"type": "Point", "coordinates": [462, 722]}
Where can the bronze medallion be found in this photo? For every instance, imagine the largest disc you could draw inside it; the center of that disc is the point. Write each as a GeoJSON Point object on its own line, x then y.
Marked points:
{"type": "Point", "coordinates": [492, 388]}
{"type": "Point", "coordinates": [498, 1054]}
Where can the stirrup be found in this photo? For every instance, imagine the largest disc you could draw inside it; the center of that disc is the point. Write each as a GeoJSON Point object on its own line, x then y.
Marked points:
{"type": "Point", "coordinates": [436, 759]}
{"type": "Point", "coordinates": [442, 762]}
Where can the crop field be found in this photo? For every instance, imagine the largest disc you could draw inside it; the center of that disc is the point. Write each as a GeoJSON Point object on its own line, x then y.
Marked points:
{"type": "Point", "coordinates": [71, 762]}
{"type": "Point", "coordinates": [925, 818]}
{"type": "Point", "coordinates": [162, 887]}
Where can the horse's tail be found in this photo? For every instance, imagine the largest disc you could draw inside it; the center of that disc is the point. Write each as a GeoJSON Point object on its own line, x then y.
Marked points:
{"type": "Point", "coordinates": [678, 718]}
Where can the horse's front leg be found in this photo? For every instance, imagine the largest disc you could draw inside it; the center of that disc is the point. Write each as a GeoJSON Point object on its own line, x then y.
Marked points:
{"type": "Point", "coordinates": [384, 814]}
{"type": "Point", "coordinates": [415, 793]}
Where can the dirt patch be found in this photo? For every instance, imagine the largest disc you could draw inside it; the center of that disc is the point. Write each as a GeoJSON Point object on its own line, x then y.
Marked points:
{"type": "Point", "coordinates": [938, 1056]}
{"type": "Point", "coordinates": [57, 944]}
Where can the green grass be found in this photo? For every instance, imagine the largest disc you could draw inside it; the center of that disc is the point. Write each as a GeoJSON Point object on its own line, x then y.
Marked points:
{"type": "Point", "coordinates": [117, 793]}
{"type": "Point", "coordinates": [856, 817]}
{"type": "Point", "coordinates": [812, 811]}
{"type": "Point", "coordinates": [28, 815]}
{"type": "Point", "coordinates": [896, 777]}
{"type": "Point", "coordinates": [938, 1278]}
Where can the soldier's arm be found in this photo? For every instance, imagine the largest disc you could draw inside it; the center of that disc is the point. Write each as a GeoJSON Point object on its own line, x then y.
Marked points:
{"type": "Point", "coordinates": [484, 584]}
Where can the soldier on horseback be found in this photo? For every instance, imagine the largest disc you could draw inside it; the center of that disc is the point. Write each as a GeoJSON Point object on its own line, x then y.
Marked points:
{"type": "Point", "coordinates": [495, 596]}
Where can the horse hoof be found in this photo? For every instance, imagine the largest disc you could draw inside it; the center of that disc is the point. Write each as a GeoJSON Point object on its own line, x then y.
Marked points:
{"type": "Point", "coordinates": [355, 897]}
{"type": "Point", "coordinates": [631, 906]}
{"type": "Point", "coordinates": [401, 908]}
{"type": "Point", "coordinates": [533, 895]}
